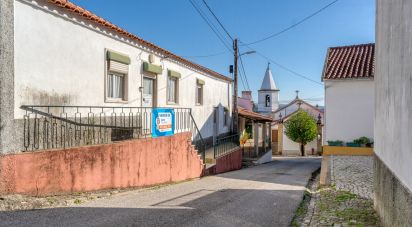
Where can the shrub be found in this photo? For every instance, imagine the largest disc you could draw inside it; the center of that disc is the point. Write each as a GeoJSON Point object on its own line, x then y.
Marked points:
{"type": "Point", "coordinates": [362, 140]}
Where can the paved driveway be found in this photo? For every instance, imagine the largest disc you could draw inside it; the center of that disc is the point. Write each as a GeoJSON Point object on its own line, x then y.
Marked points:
{"type": "Point", "coordinates": [265, 195]}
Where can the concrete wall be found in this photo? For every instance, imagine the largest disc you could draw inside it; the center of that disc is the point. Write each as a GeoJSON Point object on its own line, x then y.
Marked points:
{"type": "Point", "coordinates": [7, 129]}
{"type": "Point", "coordinates": [349, 109]}
{"type": "Point", "coordinates": [133, 163]}
{"type": "Point", "coordinates": [229, 162]}
{"type": "Point", "coordinates": [63, 63]}
{"type": "Point", "coordinates": [294, 107]}
{"type": "Point", "coordinates": [274, 101]}
{"type": "Point", "coordinates": [293, 148]}
{"type": "Point", "coordinates": [393, 111]}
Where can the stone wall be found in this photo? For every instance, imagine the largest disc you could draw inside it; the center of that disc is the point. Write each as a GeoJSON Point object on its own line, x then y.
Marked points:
{"type": "Point", "coordinates": [392, 199]}
{"type": "Point", "coordinates": [132, 163]}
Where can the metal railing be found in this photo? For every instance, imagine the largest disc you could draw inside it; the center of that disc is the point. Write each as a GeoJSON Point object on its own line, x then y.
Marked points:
{"type": "Point", "coordinates": [252, 150]}
{"type": "Point", "coordinates": [51, 127]}
{"type": "Point", "coordinates": [225, 145]}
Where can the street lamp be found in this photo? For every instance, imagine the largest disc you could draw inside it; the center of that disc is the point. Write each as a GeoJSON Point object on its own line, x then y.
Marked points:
{"type": "Point", "coordinates": [247, 52]}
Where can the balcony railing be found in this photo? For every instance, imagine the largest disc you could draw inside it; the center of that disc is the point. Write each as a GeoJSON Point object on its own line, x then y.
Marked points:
{"type": "Point", "coordinates": [51, 127]}
{"type": "Point", "coordinates": [226, 145]}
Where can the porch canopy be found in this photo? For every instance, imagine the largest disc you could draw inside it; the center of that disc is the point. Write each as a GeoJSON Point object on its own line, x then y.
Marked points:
{"type": "Point", "coordinates": [256, 117]}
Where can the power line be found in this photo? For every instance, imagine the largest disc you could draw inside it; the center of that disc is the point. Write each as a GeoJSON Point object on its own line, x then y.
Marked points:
{"type": "Point", "coordinates": [244, 72]}
{"type": "Point", "coordinates": [293, 25]}
{"type": "Point", "coordinates": [217, 19]}
{"type": "Point", "coordinates": [204, 56]}
{"type": "Point", "coordinates": [283, 67]}
{"type": "Point", "coordinates": [241, 79]}
{"type": "Point", "coordinates": [211, 25]}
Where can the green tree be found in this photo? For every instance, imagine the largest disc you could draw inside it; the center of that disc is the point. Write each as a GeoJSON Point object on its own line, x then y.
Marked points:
{"type": "Point", "coordinates": [301, 128]}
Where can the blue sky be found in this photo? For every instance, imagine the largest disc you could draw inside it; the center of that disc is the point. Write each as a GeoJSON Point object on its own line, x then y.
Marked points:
{"type": "Point", "coordinates": [176, 26]}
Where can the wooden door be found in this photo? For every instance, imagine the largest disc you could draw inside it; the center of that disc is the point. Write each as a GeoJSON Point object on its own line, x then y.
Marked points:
{"type": "Point", "coordinates": [275, 135]}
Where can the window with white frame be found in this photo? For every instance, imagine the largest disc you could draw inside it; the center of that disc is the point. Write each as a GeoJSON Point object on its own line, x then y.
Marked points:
{"type": "Point", "coordinates": [199, 93]}
{"type": "Point", "coordinates": [225, 116]}
{"type": "Point", "coordinates": [116, 76]}
{"type": "Point", "coordinates": [172, 89]}
{"type": "Point", "coordinates": [116, 85]}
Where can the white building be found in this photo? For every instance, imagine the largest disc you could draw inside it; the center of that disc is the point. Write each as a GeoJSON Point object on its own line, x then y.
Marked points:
{"type": "Point", "coordinates": [393, 113]}
{"type": "Point", "coordinates": [349, 92]}
{"type": "Point", "coordinates": [268, 104]}
{"type": "Point", "coordinates": [268, 94]}
{"type": "Point", "coordinates": [61, 54]}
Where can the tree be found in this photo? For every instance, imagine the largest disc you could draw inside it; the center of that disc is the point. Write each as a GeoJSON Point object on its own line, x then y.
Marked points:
{"type": "Point", "coordinates": [301, 128]}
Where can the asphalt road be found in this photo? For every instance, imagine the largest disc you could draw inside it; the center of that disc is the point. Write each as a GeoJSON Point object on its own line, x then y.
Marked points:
{"type": "Point", "coordinates": [265, 195]}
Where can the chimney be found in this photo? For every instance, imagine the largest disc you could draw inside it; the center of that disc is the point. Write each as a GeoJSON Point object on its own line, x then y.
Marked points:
{"type": "Point", "coordinates": [247, 95]}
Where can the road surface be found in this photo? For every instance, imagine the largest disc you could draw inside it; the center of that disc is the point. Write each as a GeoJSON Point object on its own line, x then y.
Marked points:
{"type": "Point", "coordinates": [265, 195]}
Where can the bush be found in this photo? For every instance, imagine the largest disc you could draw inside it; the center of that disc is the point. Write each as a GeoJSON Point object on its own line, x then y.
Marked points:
{"type": "Point", "coordinates": [335, 142]}
{"type": "Point", "coordinates": [362, 140]}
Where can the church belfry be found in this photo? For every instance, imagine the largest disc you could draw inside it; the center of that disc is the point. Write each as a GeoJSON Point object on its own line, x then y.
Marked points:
{"type": "Point", "coordinates": [268, 100]}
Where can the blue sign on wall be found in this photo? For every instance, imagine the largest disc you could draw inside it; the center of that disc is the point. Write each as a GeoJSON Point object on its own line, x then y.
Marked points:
{"type": "Point", "coordinates": [163, 122]}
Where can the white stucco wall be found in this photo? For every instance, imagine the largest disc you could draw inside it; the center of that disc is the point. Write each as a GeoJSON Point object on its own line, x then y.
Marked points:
{"type": "Point", "coordinates": [294, 107]}
{"type": "Point", "coordinates": [293, 148]}
{"type": "Point", "coordinates": [274, 100]}
{"type": "Point", "coordinates": [393, 87]}
{"type": "Point", "coordinates": [61, 62]}
{"type": "Point", "coordinates": [349, 109]}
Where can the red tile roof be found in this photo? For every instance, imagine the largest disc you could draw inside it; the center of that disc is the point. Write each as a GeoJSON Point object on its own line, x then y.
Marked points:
{"type": "Point", "coordinates": [253, 115]}
{"type": "Point", "coordinates": [65, 4]}
{"type": "Point", "coordinates": [350, 62]}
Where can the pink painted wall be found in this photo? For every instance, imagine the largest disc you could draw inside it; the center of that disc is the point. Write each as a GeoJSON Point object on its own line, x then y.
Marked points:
{"type": "Point", "coordinates": [132, 163]}
{"type": "Point", "coordinates": [229, 162]}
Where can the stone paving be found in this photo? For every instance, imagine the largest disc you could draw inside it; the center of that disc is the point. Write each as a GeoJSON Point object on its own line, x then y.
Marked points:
{"type": "Point", "coordinates": [354, 174]}
{"type": "Point", "coordinates": [347, 202]}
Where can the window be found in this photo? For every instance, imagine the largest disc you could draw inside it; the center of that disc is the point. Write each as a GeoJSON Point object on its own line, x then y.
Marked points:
{"type": "Point", "coordinates": [172, 89]}
{"type": "Point", "coordinates": [116, 76]}
{"type": "Point", "coordinates": [199, 94]}
{"type": "Point", "coordinates": [116, 86]}
{"type": "Point", "coordinates": [267, 101]}
{"type": "Point", "coordinates": [225, 116]}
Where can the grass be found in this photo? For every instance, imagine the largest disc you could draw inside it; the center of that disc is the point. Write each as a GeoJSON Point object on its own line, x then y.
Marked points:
{"type": "Point", "coordinates": [77, 201]}
{"type": "Point", "coordinates": [302, 209]}
{"type": "Point", "coordinates": [344, 196]}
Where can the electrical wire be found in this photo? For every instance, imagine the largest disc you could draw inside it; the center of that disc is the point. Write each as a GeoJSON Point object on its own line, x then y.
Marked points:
{"type": "Point", "coordinates": [244, 72]}
{"type": "Point", "coordinates": [204, 56]}
{"type": "Point", "coordinates": [282, 66]}
{"type": "Point", "coordinates": [217, 19]}
{"type": "Point", "coordinates": [211, 25]}
{"type": "Point", "coordinates": [293, 25]}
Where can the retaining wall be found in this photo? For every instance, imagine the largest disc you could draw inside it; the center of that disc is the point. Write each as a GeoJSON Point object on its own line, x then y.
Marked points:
{"type": "Point", "coordinates": [229, 162]}
{"type": "Point", "coordinates": [132, 163]}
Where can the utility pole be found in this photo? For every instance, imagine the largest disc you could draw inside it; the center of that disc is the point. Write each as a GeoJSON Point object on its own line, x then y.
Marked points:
{"type": "Point", "coordinates": [235, 112]}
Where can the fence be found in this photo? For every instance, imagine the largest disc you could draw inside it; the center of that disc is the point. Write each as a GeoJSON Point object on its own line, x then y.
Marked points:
{"type": "Point", "coordinates": [50, 127]}
{"type": "Point", "coordinates": [225, 145]}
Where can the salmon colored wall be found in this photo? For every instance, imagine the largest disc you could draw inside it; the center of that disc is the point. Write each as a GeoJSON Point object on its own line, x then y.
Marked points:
{"type": "Point", "coordinates": [229, 162]}
{"type": "Point", "coordinates": [132, 163]}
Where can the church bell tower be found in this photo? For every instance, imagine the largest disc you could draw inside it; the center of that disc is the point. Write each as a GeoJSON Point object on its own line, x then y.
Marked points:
{"type": "Point", "coordinates": [268, 100]}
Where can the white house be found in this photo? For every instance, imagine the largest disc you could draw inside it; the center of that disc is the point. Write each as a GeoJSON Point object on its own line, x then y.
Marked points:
{"type": "Point", "coordinates": [63, 55]}
{"type": "Point", "coordinates": [349, 92]}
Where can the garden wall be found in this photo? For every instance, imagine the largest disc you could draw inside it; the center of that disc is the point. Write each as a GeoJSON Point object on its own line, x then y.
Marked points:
{"type": "Point", "coordinates": [132, 163]}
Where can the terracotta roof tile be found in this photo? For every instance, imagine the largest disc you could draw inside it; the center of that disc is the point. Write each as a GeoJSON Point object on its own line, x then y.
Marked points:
{"type": "Point", "coordinates": [350, 62]}
{"type": "Point", "coordinates": [91, 16]}
{"type": "Point", "coordinates": [253, 115]}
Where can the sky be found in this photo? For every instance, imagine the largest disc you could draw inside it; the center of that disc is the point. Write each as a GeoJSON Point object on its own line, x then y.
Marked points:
{"type": "Point", "coordinates": [177, 26]}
